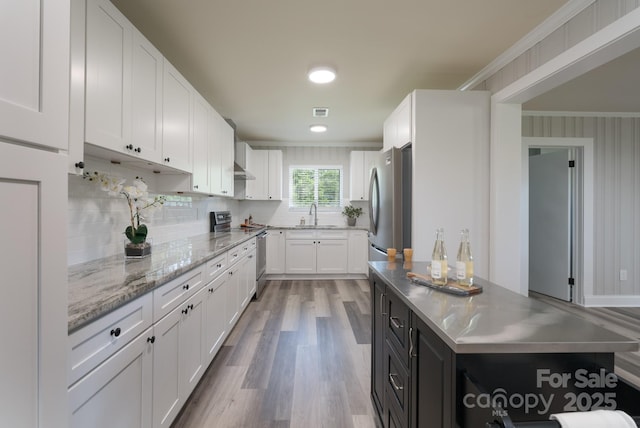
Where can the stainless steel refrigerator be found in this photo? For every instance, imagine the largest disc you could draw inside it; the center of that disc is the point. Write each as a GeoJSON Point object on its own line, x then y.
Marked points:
{"type": "Point", "coordinates": [390, 203]}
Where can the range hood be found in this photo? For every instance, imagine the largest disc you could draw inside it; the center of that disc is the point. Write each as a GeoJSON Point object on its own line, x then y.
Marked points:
{"type": "Point", "coordinates": [241, 152]}
{"type": "Point", "coordinates": [239, 173]}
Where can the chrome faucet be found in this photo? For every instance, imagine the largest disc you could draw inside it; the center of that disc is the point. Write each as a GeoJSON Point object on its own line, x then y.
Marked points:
{"type": "Point", "coordinates": [315, 218]}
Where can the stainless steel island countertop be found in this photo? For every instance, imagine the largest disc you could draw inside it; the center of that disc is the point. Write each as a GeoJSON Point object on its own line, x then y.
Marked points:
{"type": "Point", "coordinates": [498, 320]}
{"type": "Point", "coordinates": [100, 286]}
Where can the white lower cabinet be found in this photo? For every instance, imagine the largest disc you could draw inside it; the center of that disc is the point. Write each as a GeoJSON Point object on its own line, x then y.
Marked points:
{"type": "Point", "coordinates": [332, 256]}
{"type": "Point", "coordinates": [118, 392]}
{"type": "Point", "coordinates": [123, 375]}
{"type": "Point", "coordinates": [275, 251]}
{"type": "Point", "coordinates": [300, 256]}
{"type": "Point", "coordinates": [316, 251]}
{"type": "Point", "coordinates": [178, 361]}
{"type": "Point", "coordinates": [358, 252]}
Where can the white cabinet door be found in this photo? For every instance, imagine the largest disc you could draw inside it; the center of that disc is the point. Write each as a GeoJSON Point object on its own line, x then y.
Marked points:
{"type": "Point", "coordinates": [34, 81]}
{"type": "Point", "coordinates": [176, 119]}
{"type": "Point", "coordinates": [369, 163]}
{"type": "Point", "coordinates": [191, 343]}
{"type": "Point", "coordinates": [252, 273]}
{"type": "Point", "coordinates": [232, 310]}
{"type": "Point", "coordinates": [227, 157]}
{"type": "Point", "coordinates": [200, 141]}
{"type": "Point", "coordinates": [166, 369]}
{"type": "Point", "coordinates": [146, 100]}
{"type": "Point", "coordinates": [248, 281]}
{"type": "Point", "coordinates": [397, 128]}
{"type": "Point", "coordinates": [301, 256]}
{"type": "Point", "coordinates": [33, 309]}
{"type": "Point", "coordinates": [108, 76]}
{"type": "Point", "coordinates": [216, 324]}
{"type": "Point", "coordinates": [118, 392]}
{"type": "Point", "coordinates": [358, 252]}
{"type": "Point", "coordinates": [332, 255]}
{"type": "Point", "coordinates": [216, 148]}
{"type": "Point", "coordinates": [356, 175]}
{"type": "Point", "coordinates": [275, 249]}
{"type": "Point", "coordinates": [258, 165]}
{"type": "Point", "coordinates": [275, 175]}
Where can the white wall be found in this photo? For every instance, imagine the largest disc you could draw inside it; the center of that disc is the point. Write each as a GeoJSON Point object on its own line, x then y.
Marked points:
{"type": "Point", "coordinates": [616, 198]}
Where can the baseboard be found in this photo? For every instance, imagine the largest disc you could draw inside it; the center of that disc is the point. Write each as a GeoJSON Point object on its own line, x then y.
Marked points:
{"type": "Point", "coordinates": [612, 301]}
{"type": "Point", "coordinates": [298, 277]}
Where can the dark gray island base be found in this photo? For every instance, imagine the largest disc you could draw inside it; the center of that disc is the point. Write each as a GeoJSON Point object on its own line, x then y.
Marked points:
{"type": "Point", "coordinates": [440, 360]}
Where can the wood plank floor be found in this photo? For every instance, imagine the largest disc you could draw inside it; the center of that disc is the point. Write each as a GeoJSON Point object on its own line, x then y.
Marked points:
{"type": "Point", "coordinates": [298, 357]}
{"type": "Point", "coordinates": [625, 321]}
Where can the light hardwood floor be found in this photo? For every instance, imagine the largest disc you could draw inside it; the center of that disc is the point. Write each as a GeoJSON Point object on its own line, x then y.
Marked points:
{"type": "Point", "coordinates": [625, 321]}
{"type": "Point", "coordinates": [298, 357]}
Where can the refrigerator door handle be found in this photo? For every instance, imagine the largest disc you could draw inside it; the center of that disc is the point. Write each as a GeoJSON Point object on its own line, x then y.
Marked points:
{"type": "Point", "coordinates": [374, 201]}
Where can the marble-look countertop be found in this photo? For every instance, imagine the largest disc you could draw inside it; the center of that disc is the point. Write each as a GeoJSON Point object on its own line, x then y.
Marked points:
{"type": "Point", "coordinates": [100, 286]}
{"type": "Point", "coordinates": [498, 320]}
{"type": "Point", "coordinates": [318, 227]}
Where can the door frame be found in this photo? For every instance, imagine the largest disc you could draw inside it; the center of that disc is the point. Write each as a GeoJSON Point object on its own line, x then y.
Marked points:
{"type": "Point", "coordinates": [584, 206]}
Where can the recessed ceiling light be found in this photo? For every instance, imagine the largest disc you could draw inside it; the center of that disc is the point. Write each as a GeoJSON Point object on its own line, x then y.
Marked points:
{"type": "Point", "coordinates": [322, 75]}
{"type": "Point", "coordinates": [318, 128]}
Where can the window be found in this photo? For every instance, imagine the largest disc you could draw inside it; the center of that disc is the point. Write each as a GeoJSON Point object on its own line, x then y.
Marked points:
{"type": "Point", "coordinates": [319, 184]}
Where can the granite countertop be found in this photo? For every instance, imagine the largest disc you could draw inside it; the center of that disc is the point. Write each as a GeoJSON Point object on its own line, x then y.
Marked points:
{"type": "Point", "coordinates": [318, 227]}
{"type": "Point", "coordinates": [100, 286]}
{"type": "Point", "coordinates": [498, 320]}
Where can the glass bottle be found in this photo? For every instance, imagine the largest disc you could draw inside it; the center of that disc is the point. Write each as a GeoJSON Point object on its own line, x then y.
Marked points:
{"type": "Point", "coordinates": [439, 260]}
{"type": "Point", "coordinates": [464, 261]}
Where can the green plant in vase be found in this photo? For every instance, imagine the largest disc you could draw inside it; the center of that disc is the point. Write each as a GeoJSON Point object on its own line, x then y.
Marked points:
{"type": "Point", "coordinates": [352, 213]}
{"type": "Point", "coordinates": [138, 200]}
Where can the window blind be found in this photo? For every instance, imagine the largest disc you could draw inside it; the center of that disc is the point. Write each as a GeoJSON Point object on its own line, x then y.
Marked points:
{"type": "Point", "coordinates": [309, 184]}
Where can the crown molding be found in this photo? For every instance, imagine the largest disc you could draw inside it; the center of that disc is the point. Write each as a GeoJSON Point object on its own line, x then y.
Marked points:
{"type": "Point", "coordinates": [548, 26]}
{"type": "Point", "coordinates": [535, 113]}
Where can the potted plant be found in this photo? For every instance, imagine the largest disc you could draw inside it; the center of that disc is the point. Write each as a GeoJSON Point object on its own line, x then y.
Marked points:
{"type": "Point", "coordinates": [352, 214]}
{"type": "Point", "coordinates": [138, 200]}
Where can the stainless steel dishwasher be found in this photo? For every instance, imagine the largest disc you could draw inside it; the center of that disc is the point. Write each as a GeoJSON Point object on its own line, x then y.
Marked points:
{"type": "Point", "coordinates": [261, 262]}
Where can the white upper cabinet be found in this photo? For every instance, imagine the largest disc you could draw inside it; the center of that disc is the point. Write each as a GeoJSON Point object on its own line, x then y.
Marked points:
{"type": "Point", "coordinates": [109, 40]}
{"type": "Point", "coordinates": [227, 149]}
{"type": "Point", "coordinates": [34, 77]}
{"type": "Point", "coordinates": [275, 175]}
{"type": "Point", "coordinates": [200, 138]}
{"type": "Point", "coordinates": [258, 165]}
{"type": "Point", "coordinates": [398, 126]}
{"type": "Point", "coordinates": [221, 154]}
{"type": "Point", "coordinates": [266, 166]}
{"type": "Point", "coordinates": [176, 119]}
{"type": "Point", "coordinates": [360, 173]}
{"type": "Point", "coordinates": [146, 99]}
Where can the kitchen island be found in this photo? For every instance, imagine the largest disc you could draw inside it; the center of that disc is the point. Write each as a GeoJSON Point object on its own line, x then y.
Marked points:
{"type": "Point", "coordinates": [444, 360]}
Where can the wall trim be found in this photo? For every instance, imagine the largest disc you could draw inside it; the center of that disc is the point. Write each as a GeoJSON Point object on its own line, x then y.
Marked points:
{"type": "Point", "coordinates": [548, 26]}
{"type": "Point", "coordinates": [627, 300]}
{"type": "Point", "coordinates": [532, 113]}
{"type": "Point", "coordinates": [356, 145]}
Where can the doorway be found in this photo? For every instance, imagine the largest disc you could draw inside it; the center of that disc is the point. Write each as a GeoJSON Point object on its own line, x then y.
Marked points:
{"type": "Point", "coordinates": [552, 221]}
{"type": "Point", "coordinates": [560, 216]}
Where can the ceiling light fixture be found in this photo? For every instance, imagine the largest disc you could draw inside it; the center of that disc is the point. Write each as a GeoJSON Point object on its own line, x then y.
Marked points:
{"type": "Point", "coordinates": [318, 128]}
{"type": "Point", "coordinates": [322, 75]}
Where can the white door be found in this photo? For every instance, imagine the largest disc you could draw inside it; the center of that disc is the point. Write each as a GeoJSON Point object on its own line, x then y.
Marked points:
{"type": "Point", "coordinates": [550, 223]}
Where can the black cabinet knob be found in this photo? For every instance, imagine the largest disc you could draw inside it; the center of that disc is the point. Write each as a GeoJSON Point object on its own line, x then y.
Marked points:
{"type": "Point", "coordinates": [116, 332]}
{"type": "Point", "coordinates": [190, 307]}
{"type": "Point", "coordinates": [137, 149]}
{"type": "Point", "coordinates": [80, 165]}
{"type": "Point", "coordinates": [129, 147]}
{"type": "Point", "coordinates": [211, 290]}
{"type": "Point", "coordinates": [167, 159]}
{"type": "Point", "coordinates": [151, 339]}
{"type": "Point", "coordinates": [185, 287]}
{"type": "Point", "coordinates": [185, 311]}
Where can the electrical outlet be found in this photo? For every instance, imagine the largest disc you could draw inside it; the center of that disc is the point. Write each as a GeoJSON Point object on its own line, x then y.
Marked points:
{"type": "Point", "coordinates": [623, 274]}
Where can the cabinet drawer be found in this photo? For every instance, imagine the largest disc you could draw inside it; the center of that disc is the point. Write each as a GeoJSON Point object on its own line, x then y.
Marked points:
{"type": "Point", "coordinates": [234, 255]}
{"type": "Point", "coordinates": [300, 234]}
{"type": "Point", "coordinates": [216, 266]}
{"type": "Point", "coordinates": [93, 344]}
{"type": "Point", "coordinates": [170, 295]}
{"type": "Point", "coordinates": [397, 388]}
{"type": "Point", "coordinates": [332, 234]}
{"type": "Point", "coordinates": [397, 328]}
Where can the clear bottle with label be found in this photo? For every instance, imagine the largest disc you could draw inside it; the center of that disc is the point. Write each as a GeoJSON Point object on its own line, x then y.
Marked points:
{"type": "Point", "coordinates": [439, 260]}
{"type": "Point", "coordinates": [464, 261]}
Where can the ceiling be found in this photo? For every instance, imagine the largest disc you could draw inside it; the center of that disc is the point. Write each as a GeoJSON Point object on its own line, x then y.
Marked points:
{"type": "Point", "coordinates": [612, 87]}
{"type": "Point", "coordinates": [249, 58]}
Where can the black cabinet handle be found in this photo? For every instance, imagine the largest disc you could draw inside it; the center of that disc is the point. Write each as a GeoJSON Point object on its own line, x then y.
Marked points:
{"type": "Point", "coordinates": [137, 149]}
{"type": "Point", "coordinates": [116, 332]}
{"type": "Point", "coordinates": [190, 307]}
{"type": "Point", "coordinates": [185, 311]}
{"type": "Point", "coordinates": [151, 339]}
{"type": "Point", "coordinates": [80, 165]}
{"type": "Point", "coordinates": [211, 290]}
{"type": "Point", "coordinates": [382, 312]}
{"type": "Point", "coordinates": [396, 322]}
{"type": "Point", "coordinates": [185, 287]}
{"type": "Point", "coordinates": [219, 265]}
{"type": "Point", "coordinates": [167, 159]}
{"type": "Point", "coordinates": [129, 147]}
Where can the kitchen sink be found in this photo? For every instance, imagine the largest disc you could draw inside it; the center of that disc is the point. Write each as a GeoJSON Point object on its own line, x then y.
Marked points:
{"type": "Point", "coordinates": [311, 226]}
